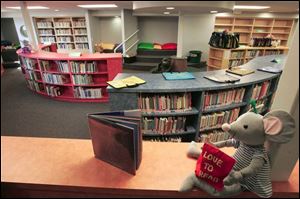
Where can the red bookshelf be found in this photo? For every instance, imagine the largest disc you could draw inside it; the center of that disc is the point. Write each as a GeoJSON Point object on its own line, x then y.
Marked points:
{"type": "Point", "coordinates": [74, 79]}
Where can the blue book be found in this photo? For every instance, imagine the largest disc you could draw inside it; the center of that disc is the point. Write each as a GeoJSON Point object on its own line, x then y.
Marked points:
{"type": "Point", "coordinates": [178, 75]}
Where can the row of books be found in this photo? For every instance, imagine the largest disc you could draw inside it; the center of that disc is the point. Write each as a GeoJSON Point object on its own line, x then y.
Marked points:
{"type": "Point", "coordinates": [221, 98]}
{"type": "Point", "coordinates": [65, 46]}
{"type": "Point", "coordinates": [47, 39]}
{"type": "Point", "coordinates": [82, 46]}
{"type": "Point", "coordinates": [62, 66]}
{"type": "Point", "coordinates": [44, 24]}
{"type": "Point", "coordinates": [272, 52]}
{"type": "Point", "coordinates": [214, 136]}
{"type": "Point", "coordinates": [167, 102]}
{"type": "Point", "coordinates": [64, 39]}
{"type": "Point", "coordinates": [63, 31]}
{"type": "Point", "coordinates": [80, 31]}
{"type": "Point", "coordinates": [236, 62]}
{"type": "Point", "coordinates": [29, 63]}
{"type": "Point", "coordinates": [237, 54]}
{"type": "Point", "coordinates": [82, 67]}
{"type": "Point", "coordinates": [35, 86]}
{"type": "Point", "coordinates": [55, 79]}
{"type": "Point", "coordinates": [261, 42]}
{"type": "Point", "coordinates": [82, 79]}
{"type": "Point", "coordinates": [46, 32]}
{"type": "Point", "coordinates": [33, 75]}
{"type": "Point", "coordinates": [80, 92]}
{"type": "Point", "coordinates": [163, 125]}
{"type": "Point", "coordinates": [216, 120]}
{"type": "Point", "coordinates": [62, 24]}
{"type": "Point", "coordinates": [252, 53]}
{"type": "Point", "coordinates": [78, 23]}
{"type": "Point", "coordinates": [53, 91]}
{"type": "Point", "coordinates": [81, 39]}
{"type": "Point", "coordinates": [260, 90]}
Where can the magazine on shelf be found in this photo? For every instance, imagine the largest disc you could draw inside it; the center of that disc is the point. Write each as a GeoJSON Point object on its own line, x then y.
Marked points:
{"type": "Point", "coordinates": [117, 139]}
{"type": "Point", "coordinates": [131, 81]}
{"type": "Point", "coordinates": [222, 78]}
{"type": "Point", "coordinates": [239, 71]}
{"type": "Point", "coordinates": [270, 69]}
{"type": "Point", "coordinates": [178, 75]}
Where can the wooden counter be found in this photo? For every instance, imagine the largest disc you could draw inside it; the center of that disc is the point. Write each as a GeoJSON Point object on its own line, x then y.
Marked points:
{"type": "Point", "coordinates": [49, 167]}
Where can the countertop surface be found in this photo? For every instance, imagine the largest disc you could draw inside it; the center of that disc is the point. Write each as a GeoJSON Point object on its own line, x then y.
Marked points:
{"type": "Point", "coordinates": [157, 83]}
{"type": "Point", "coordinates": [71, 163]}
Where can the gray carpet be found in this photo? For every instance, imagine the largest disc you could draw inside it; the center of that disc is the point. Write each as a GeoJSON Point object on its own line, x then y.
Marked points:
{"type": "Point", "coordinates": [25, 113]}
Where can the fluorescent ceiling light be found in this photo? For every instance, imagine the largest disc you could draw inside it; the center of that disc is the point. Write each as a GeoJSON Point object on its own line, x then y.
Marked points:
{"type": "Point", "coordinates": [166, 13]}
{"type": "Point", "coordinates": [56, 10]}
{"type": "Point", "coordinates": [98, 6]}
{"type": "Point", "coordinates": [170, 8]}
{"type": "Point", "coordinates": [213, 11]}
{"type": "Point", "coordinates": [29, 8]}
{"type": "Point", "coordinates": [250, 7]}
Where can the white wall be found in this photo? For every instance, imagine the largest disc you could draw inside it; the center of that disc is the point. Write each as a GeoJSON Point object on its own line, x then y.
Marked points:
{"type": "Point", "coordinates": [287, 99]}
{"type": "Point", "coordinates": [194, 33]}
{"type": "Point", "coordinates": [158, 29]}
{"type": "Point", "coordinates": [129, 26]}
{"type": "Point", "coordinates": [108, 29]}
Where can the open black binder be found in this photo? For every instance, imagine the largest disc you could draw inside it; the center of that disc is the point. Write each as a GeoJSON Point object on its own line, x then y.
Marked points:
{"type": "Point", "coordinates": [117, 139]}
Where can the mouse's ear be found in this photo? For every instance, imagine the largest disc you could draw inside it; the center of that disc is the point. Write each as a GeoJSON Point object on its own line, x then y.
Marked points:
{"type": "Point", "coordinates": [272, 125]}
{"type": "Point", "coordinates": [279, 126]}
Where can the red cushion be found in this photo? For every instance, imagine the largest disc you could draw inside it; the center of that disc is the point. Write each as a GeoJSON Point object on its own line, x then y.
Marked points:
{"type": "Point", "coordinates": [169, 46]}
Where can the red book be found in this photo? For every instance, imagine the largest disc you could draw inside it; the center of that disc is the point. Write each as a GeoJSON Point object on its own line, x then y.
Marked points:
{"type": "Point", "coordinates": [213, 166]}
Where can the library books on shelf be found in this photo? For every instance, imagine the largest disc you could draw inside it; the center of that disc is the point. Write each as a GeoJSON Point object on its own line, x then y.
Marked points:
{"type": "Point", "coordinates": [196, 115]}
{"type": "Point", "coordinates": [252, 31]}
{"type": "Point", "coordinates": [254, 27]}
{"type": "Point", "coordinates": [224, 58]}
{"type": "Point", "coordinates": [69, 33]}
{"type": "Point", "coordinates": [69, 80]}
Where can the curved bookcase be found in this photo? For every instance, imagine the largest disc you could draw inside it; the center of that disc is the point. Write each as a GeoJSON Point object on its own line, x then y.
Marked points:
{"type": "Point", "coordinates": [203, 105]}
{"type": "Point", "coordinates": [74, 79]}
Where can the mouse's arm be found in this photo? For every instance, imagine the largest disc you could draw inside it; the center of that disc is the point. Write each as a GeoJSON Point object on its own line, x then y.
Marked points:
{"type": "Point", "coordinates": [236, 176]}
{"type": "Point", "coordinates": [227, 143]}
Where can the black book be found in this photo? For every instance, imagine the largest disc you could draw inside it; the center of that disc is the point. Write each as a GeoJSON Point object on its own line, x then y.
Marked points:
{"type": "Point", "coordinates": [117, 139]}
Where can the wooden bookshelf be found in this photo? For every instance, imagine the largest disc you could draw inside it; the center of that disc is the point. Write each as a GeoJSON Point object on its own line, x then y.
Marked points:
{"type": "Point", "coordinates": [256, 28]}
{"type": "Point", "coordinates": [224, 58]}
{"type": "Point", "coordinates": [69, 33]}
{"type": "Point", "coordinates": [80, 79]}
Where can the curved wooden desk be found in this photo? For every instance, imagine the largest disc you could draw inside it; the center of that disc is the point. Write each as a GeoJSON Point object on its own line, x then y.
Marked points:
{"type": "Point", "coordinates": [49, 167]}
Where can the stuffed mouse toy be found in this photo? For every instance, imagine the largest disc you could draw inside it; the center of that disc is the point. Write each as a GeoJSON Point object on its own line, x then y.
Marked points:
{"type": "Point", "coordinates": [252, 169]}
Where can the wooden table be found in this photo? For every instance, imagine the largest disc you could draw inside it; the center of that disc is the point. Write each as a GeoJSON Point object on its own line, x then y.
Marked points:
{"type": "Point", "coordinates": [50, 167]}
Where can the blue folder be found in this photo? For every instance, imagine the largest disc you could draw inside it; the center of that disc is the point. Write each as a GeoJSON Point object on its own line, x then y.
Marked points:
{"type": "Point", "coordinates": [178, 75]}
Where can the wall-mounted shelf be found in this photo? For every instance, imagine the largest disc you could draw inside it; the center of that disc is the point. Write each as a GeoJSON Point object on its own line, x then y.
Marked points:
{"type": "Point", "coordinates": [247, 27]}
{"type": "Point", "coordinates": [60, 27]}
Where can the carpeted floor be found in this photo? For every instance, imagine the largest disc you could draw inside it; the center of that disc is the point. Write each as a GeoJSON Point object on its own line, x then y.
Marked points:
{"type": "Point", "coordinates": [24, 113]}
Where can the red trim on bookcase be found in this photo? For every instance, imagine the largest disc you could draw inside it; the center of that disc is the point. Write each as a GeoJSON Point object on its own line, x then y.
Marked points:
{"type": "Point", "coordinates": [109, 64]}
{"type": "Point", "coordinates": [72, 99]}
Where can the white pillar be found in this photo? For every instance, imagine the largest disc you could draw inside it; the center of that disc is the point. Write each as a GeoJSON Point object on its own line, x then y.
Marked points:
{"type": "Point", "coordinates": [28, 24]}
{"type": "Point", "coordinates": [90, 30]}
{"type": "Point", "coordinates": [287, 99]}
{"type": "Point", "coordinates": [180, 36]}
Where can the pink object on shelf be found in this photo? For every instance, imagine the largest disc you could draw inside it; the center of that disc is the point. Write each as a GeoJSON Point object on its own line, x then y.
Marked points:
{"type": "Point", "coordinates": [169, 46]}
